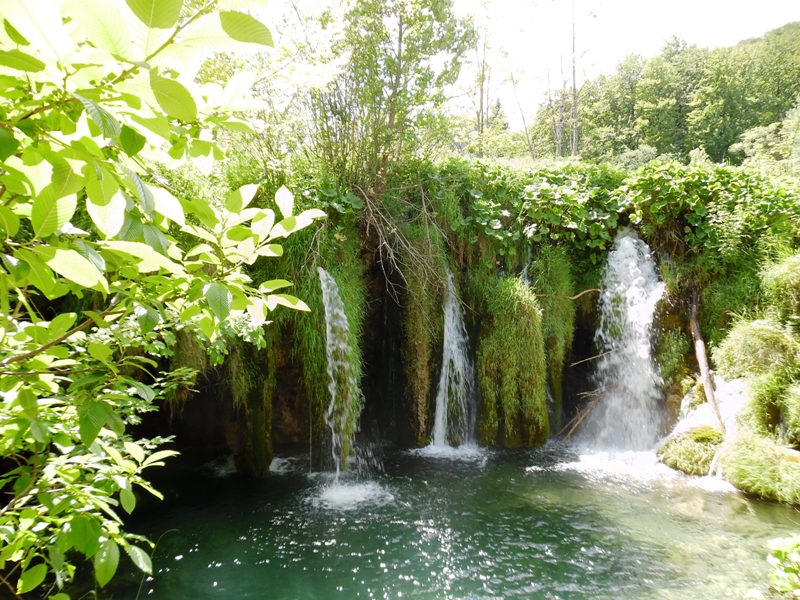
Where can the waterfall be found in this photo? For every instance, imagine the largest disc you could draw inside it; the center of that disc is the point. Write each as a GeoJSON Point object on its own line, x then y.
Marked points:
{"type": "Point", "coordinates": [345, 403]}
{"type": "Point", "coordinates": [454, 422]}
{"type": "Point", "coordinates": [626, 415]}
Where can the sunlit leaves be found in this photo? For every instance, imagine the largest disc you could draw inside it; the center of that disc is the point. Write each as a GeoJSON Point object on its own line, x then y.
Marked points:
{"type": "Point", "coordinates": [71, 265]}
{"type": "Point", "coordinates": [102, 22]}
{"type": "Point", "coordinates": [160, 14]}
{"type": "Point", "coordinates": [173, 98]}
{"type": "Point", "coordinates": [244, 28]}
{"type": "Point", "coordinates": [50, 213]}
{"type": "Point", "coordinates": [16, 59]}
{"type": "Point", "coordinates": [95, 103]}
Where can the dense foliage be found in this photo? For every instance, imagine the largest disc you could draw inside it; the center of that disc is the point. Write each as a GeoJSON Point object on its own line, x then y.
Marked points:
{"type": "Point", "coordinates": [102, 262]}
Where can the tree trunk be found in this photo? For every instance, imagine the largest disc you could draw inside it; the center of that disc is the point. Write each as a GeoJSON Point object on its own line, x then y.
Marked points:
{"type": "Point", "coordinates": [702, 361]}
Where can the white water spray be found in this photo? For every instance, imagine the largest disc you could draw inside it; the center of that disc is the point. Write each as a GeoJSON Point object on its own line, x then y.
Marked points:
{"type": "Point", "coordinates": [454, 421]}
{"type": "Point", "coordinates": [626, 415]}
{"type": "Point", "coordinates": [342, 385]}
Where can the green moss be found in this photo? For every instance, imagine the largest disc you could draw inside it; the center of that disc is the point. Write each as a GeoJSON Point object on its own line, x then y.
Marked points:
{"type": "Point", "coordinates": [551, 277]}
{"type": "Point", "coordinates": [781, 284]}
{"type": "Point", "coordinates": [727, 295]}
{"type": "Point", "coordinates": [691, 452]}
{"type": "Point", "coordinates": [422, 323]}
{"type": "Point", "coordinates": [251, 380]}
{"type": "Point", "coordinates": [671, 352]}
{"type": "Point", "coordinates": [755, 347]}
{"type": "Point", "coordinates": [337, 250]}
{"type": "Point", "coordinates": [511, 367]}
{"type": "Point", "coordinates": [190, 354]}
{"type": "Point", "coordinates": [759, 466]}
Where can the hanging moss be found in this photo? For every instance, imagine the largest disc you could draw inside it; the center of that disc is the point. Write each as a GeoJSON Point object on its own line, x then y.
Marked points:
{"type": "Point", "coordinates": [691, 452]}
{"type": "Point", "coordinates": [781, 284]}
{"type": "Point", "coordinates": [188, 353]}
{"type": "Point", "coordinates": [551, 276]}
{"type": "Point", "coordinates": [511, 367]}
{"type": "Point", "coordinates": [672, 349]}
{"type": "Point", "coordinates": [422, 324]}
{"type": "Point", "coordinates": [250, 377]}
{"type": "Point", "coordinates": [337, 249]}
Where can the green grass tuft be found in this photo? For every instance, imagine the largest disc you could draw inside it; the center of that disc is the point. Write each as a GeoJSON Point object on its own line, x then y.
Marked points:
{"type": "Point", "coordinates": [759, 466]}
{"type": "Point", "coordinates": [755, 347]}
{"type": "Point", "coordinates": [781, 284]}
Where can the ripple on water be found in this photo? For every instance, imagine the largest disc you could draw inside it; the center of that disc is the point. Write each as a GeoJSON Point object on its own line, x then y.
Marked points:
{"type": "Point", "coordinates": [465, 452]}
{"type": "Point", "coordinates": [349, 496]}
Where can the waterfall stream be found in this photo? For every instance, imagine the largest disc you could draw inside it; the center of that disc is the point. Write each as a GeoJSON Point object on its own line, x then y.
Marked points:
{"type": "Point", "coordinates": [626, 415]}
{"type": "Point", "coordinates": [343, 388]}
{"type": "Point", "coordinates": [454, 421]}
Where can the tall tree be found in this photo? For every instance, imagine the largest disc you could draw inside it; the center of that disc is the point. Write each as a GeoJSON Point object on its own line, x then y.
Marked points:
{"type": "Point", "coordinates": [402, 55]}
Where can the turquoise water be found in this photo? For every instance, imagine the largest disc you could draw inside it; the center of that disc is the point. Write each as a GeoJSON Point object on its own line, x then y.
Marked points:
{"type": "Point", "coordinates": [546, 524]}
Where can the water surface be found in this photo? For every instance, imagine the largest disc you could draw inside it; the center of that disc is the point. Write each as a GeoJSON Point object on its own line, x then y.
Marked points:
{"type": "Point", "coordinates": [543, 524]}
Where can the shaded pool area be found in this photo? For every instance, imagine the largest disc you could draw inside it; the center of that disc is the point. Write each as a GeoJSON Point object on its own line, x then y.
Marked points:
{"type": "Point", "coordinates": [480, 524]}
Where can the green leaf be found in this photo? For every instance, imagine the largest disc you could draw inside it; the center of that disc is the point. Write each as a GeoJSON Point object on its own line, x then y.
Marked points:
{"type": "Point", "coordinates": [271, 250]}
{"type": "Point", "coordinates": [8, 143]}
{"type": "Point", "coordinates": [49, 213]}
{"type": "Point", "coordinates": [173, 98]}
{"type": "Point", "coordinates": [147, 317]}
{"type": "Point", "coordinates": [287, 301]}
{"type": "Point", "coordinates": [135, 450]}
{"type": "Point", "coordinates": [101, 352]}
{"type": "Point", "coordinates": [105, 121]}
{"type": "Point", "coordinates": [84, 534]}
{"type": "Point", "coordinates": [101, 22]}
{"type": "Point", "coordinates": [140, 558]}
{"type": "Point", "coordinates": [159, 14]}
{"type": "Point", "coordinates": [131, 140]}
{"type": "Point", "coordinates": [244, 28]}
{"type": "Point", "coordinates": [219, 300]}
{"type": "Point", "coordinates": [108, 217]}
{"type": "Point", "coordinates": [71, 265]}
{"type": "Point", "coordinates": [148, 259]}
{"type": "Point", "coordinates": [9, 222]}
{"type": "Point", "coordinates": [128, 500]}
{"type": "Point", "coordinates": [106, 561]}
{"type": "Point", "coordinates": [268, 287]}
{"type": "Point", "coordinates": [238, 199]}
{"type": "Point", "coordinates": [91, 419]}
{"type": "Point", "coordinates": [285, 201]}
{"type": "Point", "coordinates": [168, 205]}
{"type": "Point", "coordinates": [31, 578]}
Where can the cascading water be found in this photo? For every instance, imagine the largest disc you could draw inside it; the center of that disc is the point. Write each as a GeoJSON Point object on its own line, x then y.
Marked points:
{"type": "Point", "coordinates": [626, 415]}
{"type": "Point", "coordinates": [345, 402]}
{"type": "Point", "coordinates": [454, 421]}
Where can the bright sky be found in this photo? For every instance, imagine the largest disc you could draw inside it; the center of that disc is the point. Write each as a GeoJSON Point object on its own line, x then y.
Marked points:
{"type": "Point", "coordinates": [531, 37]}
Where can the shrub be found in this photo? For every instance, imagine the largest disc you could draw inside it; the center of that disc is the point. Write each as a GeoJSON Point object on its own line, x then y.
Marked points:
{"type": "Point", "coordinates": [692, 452]}
{"type": "Point", "coordinates": [784, 558]}
{"type": "Point", "coordinates": [754, 347]}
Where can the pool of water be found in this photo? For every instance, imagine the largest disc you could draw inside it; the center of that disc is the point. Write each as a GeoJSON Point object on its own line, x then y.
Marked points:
{"type": "Point", "coordinates": [477, 524]}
